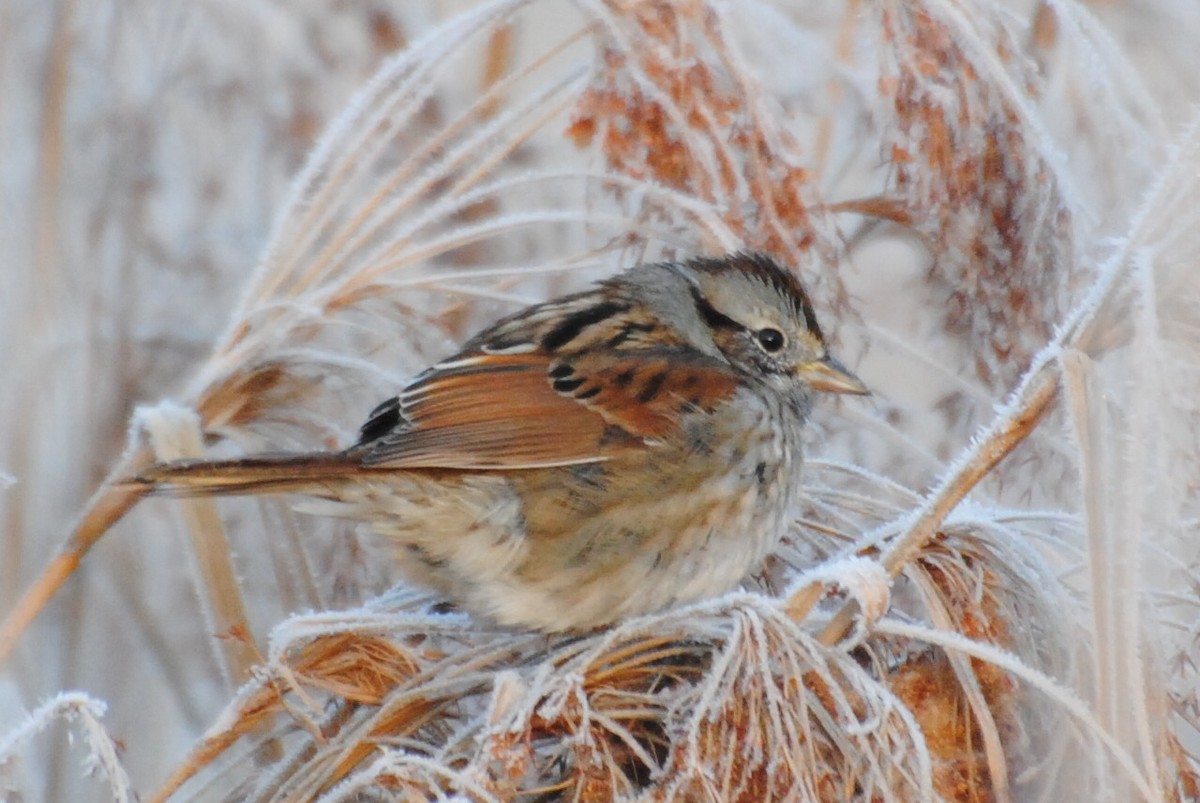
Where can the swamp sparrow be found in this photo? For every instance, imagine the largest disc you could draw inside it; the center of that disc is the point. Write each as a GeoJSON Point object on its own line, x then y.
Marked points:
{"type": "Point", "coordinates": [598, 456]}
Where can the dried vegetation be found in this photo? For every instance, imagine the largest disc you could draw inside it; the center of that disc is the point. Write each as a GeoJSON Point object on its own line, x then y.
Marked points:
{"type": "Point", "coordinates": [991, 591]}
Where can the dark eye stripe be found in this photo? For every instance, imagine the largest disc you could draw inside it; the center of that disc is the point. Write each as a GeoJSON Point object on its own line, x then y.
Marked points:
{"type": "Point", "coordinates": [711, 315]}
{"type": "Point", "coordinates": [810, 316]}
{"type": "Point", "coordinates": [571, 326]}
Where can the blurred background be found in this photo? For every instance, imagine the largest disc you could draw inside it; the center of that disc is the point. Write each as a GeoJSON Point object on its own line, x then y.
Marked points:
{"type": "Point", "coordinates": [950, 177]}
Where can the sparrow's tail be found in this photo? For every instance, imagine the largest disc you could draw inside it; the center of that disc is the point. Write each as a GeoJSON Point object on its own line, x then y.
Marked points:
{"type": "Point", "coordinates": [267, 473]}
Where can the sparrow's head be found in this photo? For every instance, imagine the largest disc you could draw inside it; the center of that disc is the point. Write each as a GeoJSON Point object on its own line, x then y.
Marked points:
{"type": "Point", "coordinates": [751, 312]}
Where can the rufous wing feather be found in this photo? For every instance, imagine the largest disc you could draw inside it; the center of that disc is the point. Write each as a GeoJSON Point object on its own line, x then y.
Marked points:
{"type": "Point", "coordinates": [646, 393]}
{"type": "Point", "coordinates": [486, 411]}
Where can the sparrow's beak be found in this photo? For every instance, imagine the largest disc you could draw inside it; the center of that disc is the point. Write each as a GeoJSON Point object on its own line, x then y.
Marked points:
{"type": "Point", "coordinates": [827, 375]}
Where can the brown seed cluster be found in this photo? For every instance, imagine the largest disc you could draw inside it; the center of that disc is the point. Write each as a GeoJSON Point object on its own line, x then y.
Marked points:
{"type": "Point", "coordinates": [674, 110]}
{"type": "Point", "coordinates": [977, 187]}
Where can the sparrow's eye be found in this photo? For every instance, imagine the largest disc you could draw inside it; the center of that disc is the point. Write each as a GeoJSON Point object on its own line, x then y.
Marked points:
{"type": "Point", "coordinates": [770, 339]}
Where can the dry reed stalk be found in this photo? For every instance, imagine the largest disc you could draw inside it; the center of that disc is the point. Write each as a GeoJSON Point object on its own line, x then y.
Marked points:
{"type": "Point", "coordinates": [86, 712]}
{"type": "Point", "coordinates": [428, 208]}
{"type": "Point", "coordinates": [175, 434]}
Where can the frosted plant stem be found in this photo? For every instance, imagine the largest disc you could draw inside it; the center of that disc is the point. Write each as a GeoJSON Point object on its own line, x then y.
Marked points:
{"type": "Point", "coordinates": [1001, 438]}
{"type": "Point", "coordinates": [1025, 408]}
{"type": "Point", "coordinates": [1086, 408]}
{"type": "Point", "coordinates": [176, 434]}
{"type": "Point", "coordinates": [247, 713]}
{"type": "Point", "coordinates": [85, 712]}
{"type": "Point", "coordinates": [103, 510]}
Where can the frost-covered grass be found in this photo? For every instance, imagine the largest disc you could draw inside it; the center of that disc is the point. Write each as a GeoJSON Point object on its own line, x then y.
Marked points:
{"type": "Point", "coordinates": [991, 590]}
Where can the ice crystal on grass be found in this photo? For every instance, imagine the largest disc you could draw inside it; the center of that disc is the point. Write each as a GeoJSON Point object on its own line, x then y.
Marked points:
{"type": "Point", "coordinates": [102, 759]}
{"type": "Point", "coordinates": [988, 202]}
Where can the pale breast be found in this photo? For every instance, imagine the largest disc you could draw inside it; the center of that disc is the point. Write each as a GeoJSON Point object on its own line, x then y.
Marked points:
{"type": "Point", "coordinates": [684, 522]}
{"type": "Point", "coordinates": [572, 547]}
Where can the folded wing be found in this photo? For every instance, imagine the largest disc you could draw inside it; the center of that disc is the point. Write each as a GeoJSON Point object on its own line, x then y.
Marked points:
{"type": "Point", "coordinates": [491, 411]}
